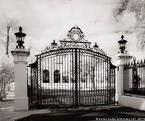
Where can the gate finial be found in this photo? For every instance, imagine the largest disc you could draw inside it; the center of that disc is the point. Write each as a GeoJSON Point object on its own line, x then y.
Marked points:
{"type": "Point", "coordinates": [76, 26]}
{"type": "Point", "coordinates": [96, 46]}
{"type": "Point", "coordinates": [122, 37]}
{"type": "Point", "coordinates": [53, 43]}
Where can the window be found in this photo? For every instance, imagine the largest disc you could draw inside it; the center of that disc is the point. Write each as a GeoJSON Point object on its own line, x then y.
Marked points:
{"type": "Point", "coordinates": [72, 80]}
{"type": "Point", "coordinates": [65, 79]}
{"type": "Point", "coordinates": [56, 76]}
{"type": "Point", "coordinates": [45, 76]}
{"type": "Point", "coordinates": [82, 80]}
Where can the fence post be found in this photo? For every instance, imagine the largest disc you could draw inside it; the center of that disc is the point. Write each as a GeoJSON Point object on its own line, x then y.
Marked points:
{"type": "Point", "coordinates": [20, 64]}
{"type": "Point", "coordinates": [122, 58]}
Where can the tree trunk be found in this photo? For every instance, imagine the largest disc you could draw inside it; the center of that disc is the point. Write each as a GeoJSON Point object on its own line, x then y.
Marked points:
{"type": "Point", "coordinates": [92, 75]}
{"type": "Point", "coordinates": [7, 44]}
{"type": "Point", "coordinates": [93, 79]}
{"type": "Point", "coordinates": [2, 91]}
{"type": "Point", "coordinates": [86, 80]}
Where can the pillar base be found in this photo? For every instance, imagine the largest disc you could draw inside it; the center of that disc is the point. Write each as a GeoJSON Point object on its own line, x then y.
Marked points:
{"type": "Point", "coordinates": [21, 103]}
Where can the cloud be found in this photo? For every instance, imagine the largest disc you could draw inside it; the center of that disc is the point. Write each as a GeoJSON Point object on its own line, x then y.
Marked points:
{"type": "Point", "coordinates": [126, 23]}
{"type": "Point", "coordinates": [102, 21]}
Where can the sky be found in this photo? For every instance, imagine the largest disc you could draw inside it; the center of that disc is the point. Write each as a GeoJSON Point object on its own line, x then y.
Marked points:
{"type": "Point", "coordinates": [102, 21]}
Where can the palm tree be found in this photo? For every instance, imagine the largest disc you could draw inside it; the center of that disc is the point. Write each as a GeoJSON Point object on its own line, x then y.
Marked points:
{"type": "Point", "coordinates": [9, 23]}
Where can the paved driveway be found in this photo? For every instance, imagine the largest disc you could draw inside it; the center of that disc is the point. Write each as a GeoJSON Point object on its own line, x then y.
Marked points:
{"type": "Point", "coordinates": [87, 114]}
{"type": "Point", "coordinates": [90, 113]}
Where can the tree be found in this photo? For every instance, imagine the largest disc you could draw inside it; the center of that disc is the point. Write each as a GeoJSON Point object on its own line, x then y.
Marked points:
{"type": "Point", "coordinates": [138, 7]}
{"type": "Point", "coordinates": [8, 22]}
{"type": "Point", "coordinates": [94, 69]}
{"type": "Point", "coordinates": [90, 71]}
{"type": "Point", "coordinates": [6, 76]}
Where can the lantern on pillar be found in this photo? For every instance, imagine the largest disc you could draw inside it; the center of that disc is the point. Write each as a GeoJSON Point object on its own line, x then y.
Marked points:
{"type": "Point", "coordinates": [122, 44]}
{"type": "Point", "coordinates": [20, 36]}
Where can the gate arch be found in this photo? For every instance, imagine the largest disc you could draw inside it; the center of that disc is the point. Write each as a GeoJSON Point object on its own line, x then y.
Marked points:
{"type": "Point", "coordinates": [71, 74]}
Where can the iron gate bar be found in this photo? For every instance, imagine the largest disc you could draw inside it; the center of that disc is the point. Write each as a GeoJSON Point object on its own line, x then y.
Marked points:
{"type": "Point", "coordinates": [76, 78]}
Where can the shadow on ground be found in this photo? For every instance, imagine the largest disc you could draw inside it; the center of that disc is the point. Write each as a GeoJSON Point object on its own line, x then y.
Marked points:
{"type": "Point", "coordinates": [85, 115]}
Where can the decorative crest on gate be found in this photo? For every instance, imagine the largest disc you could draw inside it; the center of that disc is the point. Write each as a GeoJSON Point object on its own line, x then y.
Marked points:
{"type": "Point", "coordinates": [75, 39]}
{"type": "Point", "coordinates": [75, 34]}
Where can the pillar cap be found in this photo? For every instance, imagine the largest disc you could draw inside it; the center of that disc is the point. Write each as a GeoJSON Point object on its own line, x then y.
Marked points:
{"type": "Point", "coordinates": [17, 51]}
{"type": "Point", "coordinates": [122, 58]}
{"type": "Point", "coordinates": [124, 55]}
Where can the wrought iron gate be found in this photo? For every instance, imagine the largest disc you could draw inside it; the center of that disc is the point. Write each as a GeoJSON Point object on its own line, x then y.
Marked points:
{"type": "Point", "coordinates": [71, 74]}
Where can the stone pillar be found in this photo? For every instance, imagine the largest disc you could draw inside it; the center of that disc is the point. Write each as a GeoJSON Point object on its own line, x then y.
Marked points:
{"type": "Point", "coordinates": [20, 64]}
{"type": "Point", "coordinates": [20, 55]}
{"type": "Point", "coordinates": [122, 58]}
